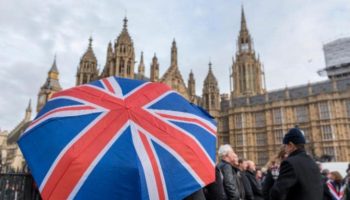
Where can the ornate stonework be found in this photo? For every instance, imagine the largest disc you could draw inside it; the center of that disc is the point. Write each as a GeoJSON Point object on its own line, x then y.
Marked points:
{"type": "Point", "coordinates": [247, 72]}
{"type": "Point", "coordinates": [211, 94]}
{"type": "Point", "coordinates": [87, 70]}
{"type": "Point", "coordinates": [120, 60]}
{"type": "Point", "coordinates": [173, 77]}
{"type": "Point", "coordinates": [254, 121]}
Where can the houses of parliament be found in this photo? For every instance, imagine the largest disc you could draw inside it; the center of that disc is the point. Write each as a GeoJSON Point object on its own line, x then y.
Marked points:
{"type": "Point", "coordinates": [250, 118]}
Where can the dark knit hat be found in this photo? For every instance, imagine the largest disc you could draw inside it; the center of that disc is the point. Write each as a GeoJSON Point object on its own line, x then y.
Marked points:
{"type": "Point", "coordinates": [295, 136]}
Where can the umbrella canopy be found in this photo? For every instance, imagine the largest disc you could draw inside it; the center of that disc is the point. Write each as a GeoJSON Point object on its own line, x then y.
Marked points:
{"type": "Point", "coordinates": [118, 138]}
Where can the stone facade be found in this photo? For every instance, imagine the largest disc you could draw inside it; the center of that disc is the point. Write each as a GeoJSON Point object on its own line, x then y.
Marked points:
{"type": "Point", "coordinates": [250, 118]}
{"type": "Point", "coordinates": [255, 125]}
{"type": "Point", "coordinates": [254, 121]}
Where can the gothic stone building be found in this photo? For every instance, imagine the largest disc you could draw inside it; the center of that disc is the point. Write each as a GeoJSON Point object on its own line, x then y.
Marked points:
{"type": "Point", "coordinates": [251, 119]}
{"type": "Point", "coordinates": [254, 121]}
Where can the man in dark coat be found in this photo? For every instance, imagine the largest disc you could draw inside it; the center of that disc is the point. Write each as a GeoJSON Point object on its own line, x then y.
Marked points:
{"type": "Point", "coordinates": [230, 179]}
{"type": "Point", "coordinates": [245, 181]}
{"type": "Point", "coordinates": [299, 177]}
{"type": "Point", "coordinates": [254, 183]}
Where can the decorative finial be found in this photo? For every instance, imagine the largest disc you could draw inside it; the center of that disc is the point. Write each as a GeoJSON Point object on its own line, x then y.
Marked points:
{"type": "Point", "coordinates": [90, 41]}
{"type": "Point", "coordinates": [125, 23]}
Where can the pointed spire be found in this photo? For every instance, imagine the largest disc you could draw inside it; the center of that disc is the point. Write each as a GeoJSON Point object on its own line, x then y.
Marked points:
{"type": "Point", "coordinates": [28, 113]}
{"type": "Point", "coordinates": [243, 20]}
{"type": "Point", "coordinates": [210, 76]}
{"type": "Point", "coordinates": [89, 54]}
{"type": "Point", "coordinates": [124, 36]}
{"type": "Point", "coordinates": [154, 59]}
{"type": "Point", "coordinates": [29, 108]}
{"type": "Point", "coordinates": [109, 49]}
{"type": "Point", "coordinates": [173, 54]}
{"type": "Point", "coordinates": [191, 86]}
{"type": "Point", "coordinates": [141, 61]}
{"type": "Point", "coordinates": [191, 76]}
{"type": "Point", "coordinates": [154, 69]}
{"type": "Point", "coordinates": [54, 66]}
{"type": "Point", "coordinates": [141, 69]}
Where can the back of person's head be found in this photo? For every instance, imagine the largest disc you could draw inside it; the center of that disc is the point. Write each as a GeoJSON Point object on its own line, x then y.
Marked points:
{"type": "Point", "coordinates": [251, 165]}
{"type": "Point", "coordinates": [336, 176]}
{"type": "Point", "coordinates": [224, 150]}
{"type": "Point", "coordinates": [295, 136]}
{"type": "Point", "coordinates": [325, 172]}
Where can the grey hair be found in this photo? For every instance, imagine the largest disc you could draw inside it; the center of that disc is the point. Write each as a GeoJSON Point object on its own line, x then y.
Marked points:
{"type": "Point", "coordinates": [224, 150]}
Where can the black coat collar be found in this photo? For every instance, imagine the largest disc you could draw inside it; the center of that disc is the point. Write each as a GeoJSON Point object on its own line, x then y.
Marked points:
{"type": "Point", "coordinates": [296, 152]}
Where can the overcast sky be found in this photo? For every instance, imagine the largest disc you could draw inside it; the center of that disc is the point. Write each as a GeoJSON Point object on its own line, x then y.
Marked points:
{"type": "Point", "coordinates": [288, 35]}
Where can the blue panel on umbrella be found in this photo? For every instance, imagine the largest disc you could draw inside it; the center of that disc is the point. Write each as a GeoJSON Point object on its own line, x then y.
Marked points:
{"type": "Point", "coordinates": [204, 137]}
{"type": "Point", "coordinates": [176, 102]}
{"type": "Point", "coordinates": [56, 103]}
{"type": "Point", "coordinates": [40, 155]}
{"type": "Point", "coordinates": [116, 176]}
{"type": "Point", "coordinates": [178, 181]}
{"type": "Point", "coordinates": [97, 84]}
{"type": "Point", "coordinates": [127, 85]}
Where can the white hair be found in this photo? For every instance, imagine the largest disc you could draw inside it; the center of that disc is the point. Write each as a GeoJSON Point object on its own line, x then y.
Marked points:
{"type": "Point", "coordinates": [224, 150]}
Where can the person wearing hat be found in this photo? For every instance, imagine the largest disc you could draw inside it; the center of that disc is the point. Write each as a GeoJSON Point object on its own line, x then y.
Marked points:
{"type": "Point", "coordinates": [299, 177]}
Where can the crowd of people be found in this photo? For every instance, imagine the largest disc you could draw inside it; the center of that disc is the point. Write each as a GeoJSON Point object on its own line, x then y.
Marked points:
{"type": "Point", "coordinates": [290, 175]}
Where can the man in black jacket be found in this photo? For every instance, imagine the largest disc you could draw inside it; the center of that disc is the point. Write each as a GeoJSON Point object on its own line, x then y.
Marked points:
{"type": "Point", "coordinates": [299, 177]}
{"type": "Point", "coordinates": [255, 185]}
{"type": "Point", "coordinates": [230, 179]}
{"type": "Point", "coordinates": [245, 181]}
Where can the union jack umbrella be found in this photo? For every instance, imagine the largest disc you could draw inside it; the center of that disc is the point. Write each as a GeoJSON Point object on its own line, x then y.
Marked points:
{"type": "Point", "coordinates": [118, 138]}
